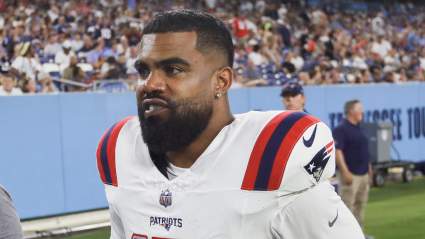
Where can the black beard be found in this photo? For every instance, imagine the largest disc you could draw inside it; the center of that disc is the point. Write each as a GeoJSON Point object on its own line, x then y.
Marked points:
{"type": "Point", "coordinates": [187, 119]}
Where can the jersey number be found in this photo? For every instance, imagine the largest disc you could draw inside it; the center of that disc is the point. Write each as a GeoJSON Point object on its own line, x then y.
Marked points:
{"type": "Point", "coordinates": [139, 236]}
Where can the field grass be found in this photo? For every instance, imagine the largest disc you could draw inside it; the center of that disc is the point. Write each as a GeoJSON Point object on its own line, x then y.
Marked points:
{"type": "Point", "coordinates": [396, 211]}
{"type": "Point", "coordinates": [98, 234]}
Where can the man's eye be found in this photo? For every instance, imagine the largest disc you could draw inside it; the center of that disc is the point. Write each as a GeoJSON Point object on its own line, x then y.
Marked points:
{"type": "Point", "coordinates": [143, 69]}
{"type": "Point", "coordinates": [172, 70]}
{"type": "Point", "coordinates": [144, 72]}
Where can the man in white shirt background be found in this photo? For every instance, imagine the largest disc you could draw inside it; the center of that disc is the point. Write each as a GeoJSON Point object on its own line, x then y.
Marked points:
{"type": "Point", "coordinates": [7, 86]}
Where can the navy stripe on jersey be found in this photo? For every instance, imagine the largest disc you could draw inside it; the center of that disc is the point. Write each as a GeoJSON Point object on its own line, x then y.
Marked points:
{"type": "Point", "coordinates": [104, 156]}
{"type": "Point", "coordinates": [271, 150]}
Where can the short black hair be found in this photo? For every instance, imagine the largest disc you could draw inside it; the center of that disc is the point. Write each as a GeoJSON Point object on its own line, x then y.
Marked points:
{"type": "Point", "coordinates": [349, 105]}
{"type": "Point", "coordinates": [211, 32]}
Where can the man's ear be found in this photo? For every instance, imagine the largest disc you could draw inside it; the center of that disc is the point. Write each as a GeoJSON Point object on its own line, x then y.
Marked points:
{"type": "Point", "coordinates": [224, 79]}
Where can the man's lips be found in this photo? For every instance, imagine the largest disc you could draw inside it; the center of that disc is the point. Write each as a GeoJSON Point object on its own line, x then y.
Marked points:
{"type": "Point", "coordinates": [154, 106]}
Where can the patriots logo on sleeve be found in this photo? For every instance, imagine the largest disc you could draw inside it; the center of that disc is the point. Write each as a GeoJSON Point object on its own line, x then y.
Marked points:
{"type": "Point", "coordinates": [317, 165]}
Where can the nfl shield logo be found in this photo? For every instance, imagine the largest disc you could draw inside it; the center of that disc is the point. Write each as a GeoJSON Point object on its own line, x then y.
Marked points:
{"type": "Point", "coordinates": [166, 198]}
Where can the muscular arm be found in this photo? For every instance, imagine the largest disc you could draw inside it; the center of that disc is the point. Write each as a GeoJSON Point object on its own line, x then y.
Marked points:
{"type": "Point", "coordinates": [317, 213]}
{"type": "Point", "coordinates": [313, 209]}
{"type": "Point", "coordinates": [117, 228]}
{"type": "Point", "coordinates": [10, 226]}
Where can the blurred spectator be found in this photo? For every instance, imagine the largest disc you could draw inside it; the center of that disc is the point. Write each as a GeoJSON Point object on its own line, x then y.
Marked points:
{"type": "Point", "coordinates": [285, 33]}
{"type": "Point", "coordinates": [242, 26]}
{"type": "Point", "coordinates": [272, 49]}
{"type": "Point", "coordinates": [95, 55]}
{"type": "Point", "coordinates": [256, 57]}
{"type": "Point", "coordinates": [46, 84]}
{"type": "Point", "coordinates": [295, 59]}
{"type": "Point", "coordinates": [27, 63]}
{"type": "Point", "coordinates": [29, 86]}
{"type": "Point", "coordinates": [322, 43]}
{"type": "Point", "coordinates": [111, 69]}
{"type": "Point", "coordinates": [422, 59]}
{"type": "Point", "coordinates": [8, 84]}
{"type": "Point", "coordinates": [378, 24]}
{"type": "Point", "coordinates": [74, 73]}
{"type": "Point", "coordinates": [252, 76]}
{"type": "Point", "coordinates": [381, 47]}
{"type": "Point", "coordinates": [63, 57]}
{"type": "Point", "coordinates": [88, 44]}
{"type": "Point", "coordinates": [53, 46]}
{"type": "Point", "coordinates": [129, 64]}
{"type": "Point", "coordinates": [77, 42]}
{"type": "Point", "coordinates": [377, 75]}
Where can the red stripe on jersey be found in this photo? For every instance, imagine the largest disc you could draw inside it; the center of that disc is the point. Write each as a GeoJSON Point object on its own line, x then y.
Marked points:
{"type": "Point", "coordinates": [112, 142]}
{"type": "Point", "coordinates": [257, 152]}
{"type": "Point", "coordinates": [99, 159]}
{"type": "Point", "coordinates": [138, 236]}
{"type": "Point", "coordinates": [329, 147]}
{"type": "Point", "coordinates": [285, 150]}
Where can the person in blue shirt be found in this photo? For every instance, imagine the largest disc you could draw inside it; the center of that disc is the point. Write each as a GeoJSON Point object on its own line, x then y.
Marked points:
{"type": "Point", "coordinates": [352, 159]}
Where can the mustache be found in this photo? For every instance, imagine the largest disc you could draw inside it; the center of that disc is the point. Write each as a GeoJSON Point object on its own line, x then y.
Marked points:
{"type": "Point", "coordinates": [156, 95]}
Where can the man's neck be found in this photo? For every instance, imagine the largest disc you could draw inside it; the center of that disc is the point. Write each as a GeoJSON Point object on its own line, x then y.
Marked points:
{"type": "Point", "coordinates": [187, 156]}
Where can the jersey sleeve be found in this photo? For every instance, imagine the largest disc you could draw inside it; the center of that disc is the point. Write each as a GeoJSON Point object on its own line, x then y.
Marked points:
{"type": "Point", "coordinates": [106, 164]}
{"type": "Point", "coordinates": [10, 226]}
{"type": "Point", "coordinates": [317, 213]}
{"type": "Point", "coordinates": [294, 151]}
{"type": "Point", "coordinates": [117, 227]}
{"type": "Point", "coordinates": [312, 159]}
{"type": "Point", "coordinates": [105, 153]}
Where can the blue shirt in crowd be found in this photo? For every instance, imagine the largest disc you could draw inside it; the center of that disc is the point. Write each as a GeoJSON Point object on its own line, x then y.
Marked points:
{"type": "Point", "coordinates": [352, 141]}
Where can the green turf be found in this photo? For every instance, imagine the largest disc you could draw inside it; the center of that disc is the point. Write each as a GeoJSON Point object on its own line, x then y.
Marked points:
{"type": "Point", "coordinates": [396, 211]}
{"type": "Point", "coordinates": [98, 234]}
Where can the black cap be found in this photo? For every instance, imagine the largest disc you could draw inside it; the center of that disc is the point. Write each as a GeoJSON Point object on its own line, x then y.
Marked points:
{"type": "Point", "coordinates": [292, 89]}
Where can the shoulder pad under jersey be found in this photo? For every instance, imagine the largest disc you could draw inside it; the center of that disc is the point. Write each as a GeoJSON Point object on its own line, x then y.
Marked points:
{"type": "Point", "coordinates": [293, 151]}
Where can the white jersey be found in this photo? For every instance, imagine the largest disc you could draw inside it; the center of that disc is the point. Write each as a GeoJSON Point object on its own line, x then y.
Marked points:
{"type": "Point", "coordinates": [264, 176]}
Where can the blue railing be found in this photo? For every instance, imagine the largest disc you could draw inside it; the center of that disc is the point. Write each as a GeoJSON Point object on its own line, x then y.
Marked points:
{"type": "Point", "coordinates": [48, 142]}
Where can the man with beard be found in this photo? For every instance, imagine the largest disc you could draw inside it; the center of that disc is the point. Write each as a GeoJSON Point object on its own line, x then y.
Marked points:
{"type": "Point", "coordinates": [187, 168]}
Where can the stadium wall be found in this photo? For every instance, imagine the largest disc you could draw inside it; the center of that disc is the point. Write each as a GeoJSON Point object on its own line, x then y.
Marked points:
{"type": "Point", "coordinates": [48, 142]}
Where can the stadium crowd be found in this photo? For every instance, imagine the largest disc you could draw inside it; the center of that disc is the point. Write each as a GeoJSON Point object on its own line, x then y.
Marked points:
{"type": "Point", "coordinates": [50, 46]}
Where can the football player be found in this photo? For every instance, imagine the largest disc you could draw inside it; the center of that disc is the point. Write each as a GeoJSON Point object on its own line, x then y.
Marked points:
{"type": "Point", "coordinates": [186, 167]}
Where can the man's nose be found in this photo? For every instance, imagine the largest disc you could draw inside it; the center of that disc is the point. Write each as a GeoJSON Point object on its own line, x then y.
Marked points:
{"type": "Point", "coordinates": [154, 82]}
